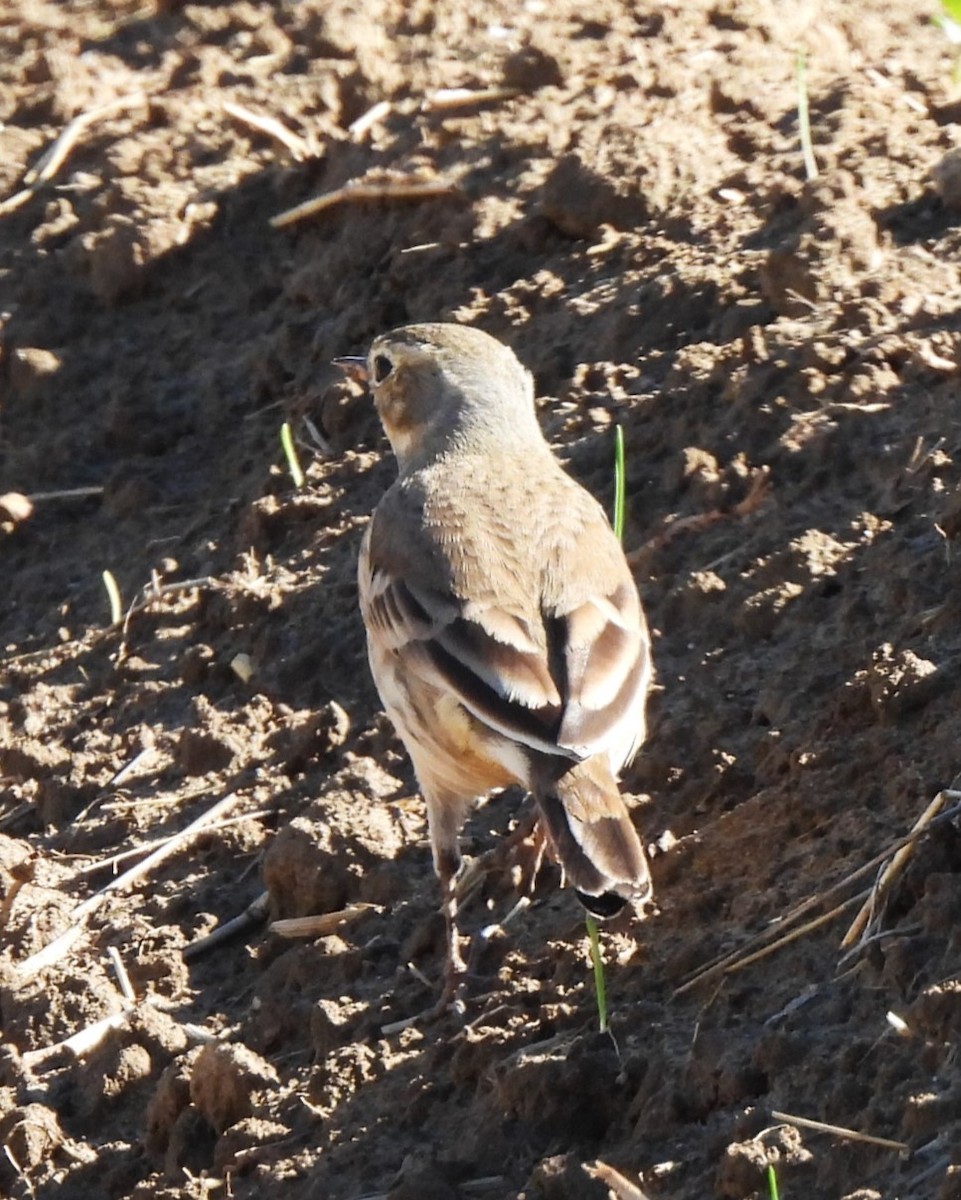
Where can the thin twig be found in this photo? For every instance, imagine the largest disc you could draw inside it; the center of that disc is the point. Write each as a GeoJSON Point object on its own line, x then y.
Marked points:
{"type": "Point", "coordinates": [12, 1159]}
{"type": "Point", "coordinates": [254, 914]}
{"type": "Point", "coordinates": [802, 930]}
{"type": "Point", "coordinates": [11, 204]}
{"type": "Point", "coordinates": [53, 159]}
{"type": "Point", "coordinates": [123, 979]}
{"type": "Point", "coordinates": [852, 1135]}
{"type": "Point", "coordinates": [61, 945]}
{"type": "Point", "coordinates": [113, 595]}
{"type": "Point", "coordinates": [77, 493]}
{"type": "Point", "coordinates": [896, 865]}
{"type": "Point", "coordinates": [804, 117]}
{"type": "Point", "coordinates": [459, 97]}
{"type": "Point", "coordinates": [410, 188]}
{"type": "Point", "coordinates": [879, 936]}
{"type": "Point", "coordinates": [317, 438]}
{"type": "Point", "coordinates": [89, 639]}
{"type": "Point", "coordinates": [439, 101]}
{"type": "Point", "coordinates": [358, 130]}
{"type": "Point", "coordinates": [480, 1018]}
{"type": "Point", "coordinates": [80, 1043]}
{"type": "Point", "coordinates": [102, 864]}
{"type": "Point", "coordinates": [115, 781]}
{"type": "Point", "coordinates": [321, 924]}
{"type": "Point", "coordinates": [298, 148]}
{"type": "Point", "coordinates": [419, 975]}
{"type": "Point", "coordinates": [619, 1185]}
{"type": "Point", "coordinates": [128, 768]}
{"type": "Point", "coordinates": [911, 1185]}
{"type": "Point", "coordinates": [87, 1039]}
{"type": "Point", "coordinates": [485, 1184]}
{"type": "Point", "coordinates": [721, 963]}
{"type": "Point", "coordinates": [698, 522]}
{"type": "Point", "coordinates": [407, 1023]}
{"type": "Point", "coordinates": [14, 815]}
{"type": "Point", "coordinates": [153, 591]}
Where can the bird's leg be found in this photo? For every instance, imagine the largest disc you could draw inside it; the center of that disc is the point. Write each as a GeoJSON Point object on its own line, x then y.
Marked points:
{"type": "Point", "coordinates": [531, 829]}
{"type": "Point", "coordinates": [445, 816]}
{"type": "Point", "coordinates": [455, 968]}
{"type": "Point", "coordinates": [536, 831]}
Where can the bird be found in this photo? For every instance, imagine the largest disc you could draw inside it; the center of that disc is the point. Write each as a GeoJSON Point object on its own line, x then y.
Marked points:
{"type": "Point", "coordinates": [505, 633]}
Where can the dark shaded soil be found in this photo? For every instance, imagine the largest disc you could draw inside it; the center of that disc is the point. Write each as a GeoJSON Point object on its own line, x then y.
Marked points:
{"type": "Point", "coordinates": [632, 216]}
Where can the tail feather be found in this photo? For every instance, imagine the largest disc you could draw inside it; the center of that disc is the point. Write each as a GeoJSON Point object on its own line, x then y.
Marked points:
{"type": "Point", "coordinates": [605, 906]}
{"type": "Point", "coordinates": [593, 838]}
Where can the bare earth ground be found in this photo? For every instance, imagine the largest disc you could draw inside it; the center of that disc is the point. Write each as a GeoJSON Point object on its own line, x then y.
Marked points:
{"type": "Point", "coordinates": [636, 223]}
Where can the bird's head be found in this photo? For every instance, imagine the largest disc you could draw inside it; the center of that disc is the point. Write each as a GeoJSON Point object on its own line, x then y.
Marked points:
{"type": "Point", "coordinates": [442, 388]}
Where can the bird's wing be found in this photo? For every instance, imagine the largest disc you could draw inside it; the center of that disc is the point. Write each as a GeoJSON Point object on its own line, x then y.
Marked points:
{"type": "Point", "coordinates": [487, 657]}
{"type": "Point", "coordinates": [567, 678]}
{"type": "Point", "coordinates": [607, 663]}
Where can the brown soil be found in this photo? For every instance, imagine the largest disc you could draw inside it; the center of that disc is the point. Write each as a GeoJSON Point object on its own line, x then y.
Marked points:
{"type": "Point", "coordinates": [783, 354]}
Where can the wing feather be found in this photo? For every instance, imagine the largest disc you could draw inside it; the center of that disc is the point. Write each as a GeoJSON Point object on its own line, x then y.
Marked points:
{"type": "Point", "coordinates": [569, 683]}
{"type": "Point", "coordinates": [608, 673]}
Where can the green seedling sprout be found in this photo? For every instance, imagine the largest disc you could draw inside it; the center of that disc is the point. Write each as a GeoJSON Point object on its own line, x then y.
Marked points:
{"type": "Point", "coordinates": [290, 453]}
{"type": "Point", "coordinates": [948, 20]}
{"type": "Point", "coordinates": [804, 116]}
{"type": "Point", "coordinates": [619, 483]}
{"type": "Point", "coordinates": [600, 985]}
{"type": "Point", "coordinates": [113, 595]}
{"type": "Point", "coordinates": [597, 962]}
{"type": "Point", "coordinates": [772, 1182]}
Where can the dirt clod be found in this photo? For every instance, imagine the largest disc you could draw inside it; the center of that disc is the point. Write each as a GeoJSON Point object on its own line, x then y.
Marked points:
{"type": "Point", "coordinates": [170, 1098]}
{"type": "Point", "coordinates": [224, 1080]}
{"type": "Point", "coordinates": [32, 1133]}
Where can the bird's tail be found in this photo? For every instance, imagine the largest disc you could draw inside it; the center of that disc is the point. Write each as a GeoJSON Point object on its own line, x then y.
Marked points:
{"type": "Point", "coordinates": [592, 836]}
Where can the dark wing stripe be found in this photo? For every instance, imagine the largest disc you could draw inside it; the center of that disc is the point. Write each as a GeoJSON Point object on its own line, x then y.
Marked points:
{"type": "Point", "coordinates": [516, 674]}
{"type": "Point", "coordinates": [538, 727]}
{"type": "Point", "coordinates": [580, 871]}
{"type": "Point", "coordinates": [398, 614]}
{"type": "Point", "coordinates": [413, 609]}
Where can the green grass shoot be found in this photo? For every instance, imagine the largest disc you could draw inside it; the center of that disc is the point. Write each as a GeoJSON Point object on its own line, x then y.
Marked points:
{"type": "Point", "coordinates": [804, 116]}
{"type": "Point", "coordinates": [113, 595]}
{"type": "Point", "coordinates": [948, 20]}
{"type": "Point", "coordinates": [772, 1183]}
{"type": "Point", "coordinates": [600, 985]}
{"type": "Point", "coordinates": [620, 504]}
{"type": "Point", "coordinates": [290, 453]}
{"type": "Point", "coordinates": [620, 483]}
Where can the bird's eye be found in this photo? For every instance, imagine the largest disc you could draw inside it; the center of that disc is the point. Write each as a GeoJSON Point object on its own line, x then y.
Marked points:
{"type": "Point", "coordinates": [382, 367]}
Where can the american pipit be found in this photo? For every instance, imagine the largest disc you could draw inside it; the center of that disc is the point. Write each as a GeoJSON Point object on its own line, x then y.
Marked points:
{"type": "Point", "coordinates": [504, 629]}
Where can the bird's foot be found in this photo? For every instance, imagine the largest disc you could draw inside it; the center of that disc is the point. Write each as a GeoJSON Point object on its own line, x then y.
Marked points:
{"type": "Point", "coordinates": [452, 998]}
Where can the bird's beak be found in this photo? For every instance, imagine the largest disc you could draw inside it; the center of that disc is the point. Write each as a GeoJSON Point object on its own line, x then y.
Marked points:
{"type": "Point", "coordinates": [354, 366]}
